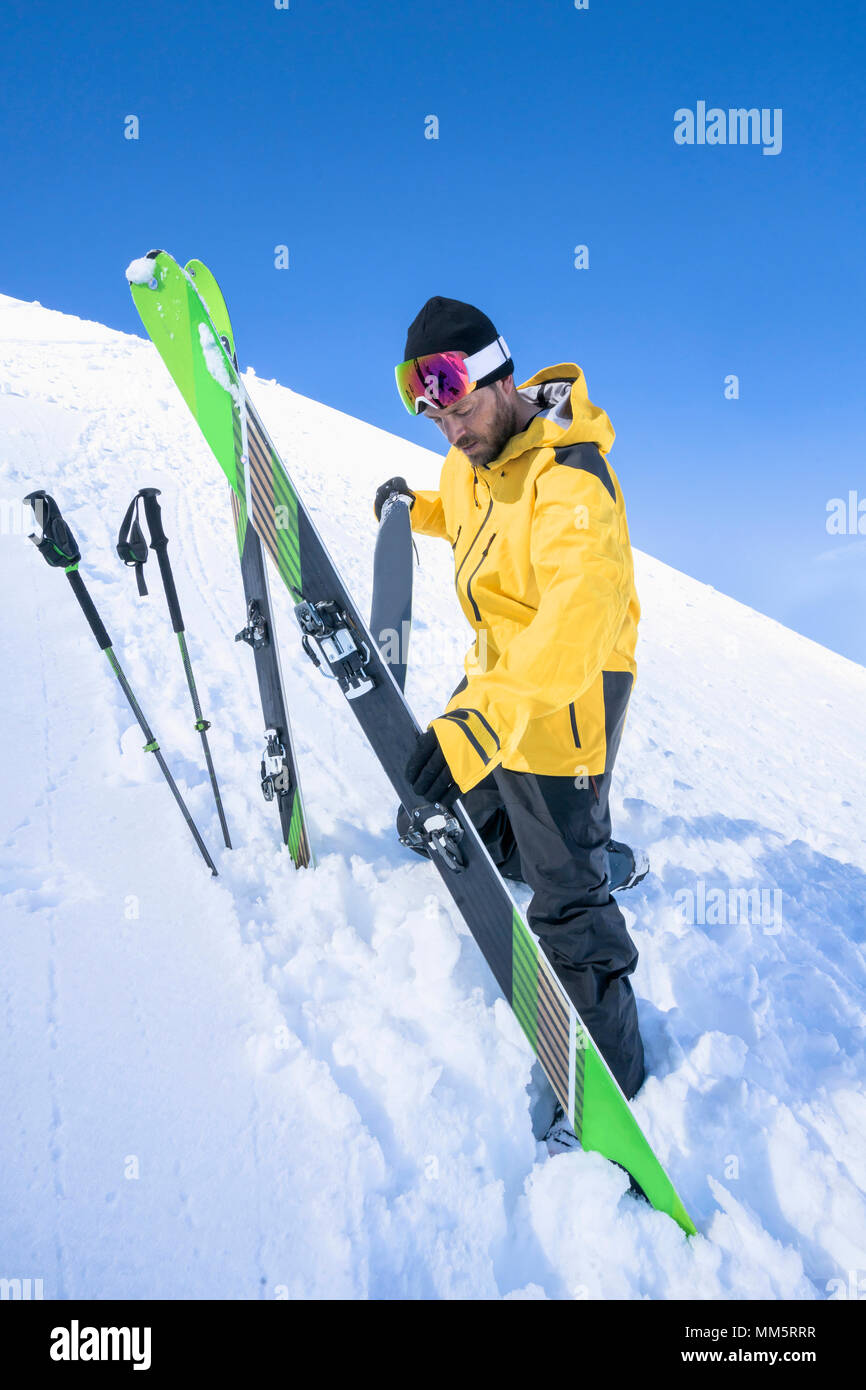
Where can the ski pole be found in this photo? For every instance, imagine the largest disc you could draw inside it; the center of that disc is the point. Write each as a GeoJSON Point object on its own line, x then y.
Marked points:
{"type": "Point", "coordinates": [57, 544]}
{"type": "Point", "coordinates": [132, 549]}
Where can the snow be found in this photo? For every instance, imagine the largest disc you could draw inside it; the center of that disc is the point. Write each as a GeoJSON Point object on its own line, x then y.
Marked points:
{"type": "Point", "coordinates": [213, 359]}
{"type": "Point", "coordinates": [140, 272]}
{"type": "Point", "coordinates": [281, 1084]}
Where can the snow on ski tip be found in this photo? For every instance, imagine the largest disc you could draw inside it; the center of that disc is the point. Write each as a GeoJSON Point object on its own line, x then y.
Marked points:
{"type": "Point", "coordinates": [140, 272]}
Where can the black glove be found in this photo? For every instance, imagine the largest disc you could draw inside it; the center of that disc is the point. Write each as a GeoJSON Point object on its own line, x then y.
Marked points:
{"type": "Point", "coordinates": [428, 773]}
{"type": "Point", "coordinates": [393, 485]}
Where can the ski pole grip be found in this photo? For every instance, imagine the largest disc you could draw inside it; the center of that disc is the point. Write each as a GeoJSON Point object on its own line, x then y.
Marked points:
{"type": "Point", "coordinates": [97, 627]}
{"type": "Point", "coordinates": [159, 543]}
{"type": "Point", "coordinates": [54, 541]}
{"type": "Point", "coordinates": [153, 512]}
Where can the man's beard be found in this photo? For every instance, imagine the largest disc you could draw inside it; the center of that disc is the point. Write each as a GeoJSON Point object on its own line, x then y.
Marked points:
{"type": "Point", "coordinates": [502, 429]}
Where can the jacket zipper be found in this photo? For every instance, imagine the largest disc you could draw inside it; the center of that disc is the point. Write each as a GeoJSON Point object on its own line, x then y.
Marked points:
{"type": "Point", "coordinates": [574, 732]}
{"type": "Point", "coordinates": [474, 539]}
{"type": "Point", "coordinates": [472, 576]}
{"type": "Point", "coordinates": [457, 537]}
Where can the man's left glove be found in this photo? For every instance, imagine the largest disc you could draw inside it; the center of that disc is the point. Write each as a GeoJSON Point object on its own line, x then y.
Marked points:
{"type": "Point", "coordinates": [394, 486]}
{"type": "Point", "coordinates": [429, 774]}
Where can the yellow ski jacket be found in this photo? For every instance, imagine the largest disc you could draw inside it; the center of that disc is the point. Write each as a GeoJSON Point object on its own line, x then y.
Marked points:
{"type": "Point", "coordinates": [544, 574]}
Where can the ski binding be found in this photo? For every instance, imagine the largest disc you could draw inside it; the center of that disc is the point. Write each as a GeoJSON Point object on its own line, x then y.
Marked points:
{"type": "Point", "coordinates": [436, 830]}
{"type": "Point", "coordinates": [275, 769]}
{"type": "Point", "coordinates": [339, 652]}
{"type": "Point", "coordinates": [255, 634]}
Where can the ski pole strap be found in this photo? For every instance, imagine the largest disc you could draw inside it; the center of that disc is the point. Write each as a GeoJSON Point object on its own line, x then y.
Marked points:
{"type": "Point", "coordinates": [97, 627]}
{"type": "Point", "coordinates": [132, 548]}
{"type": "Point", "coordinates": [53, 540]}
{"type": "Point", "coordinates": [131, 544]}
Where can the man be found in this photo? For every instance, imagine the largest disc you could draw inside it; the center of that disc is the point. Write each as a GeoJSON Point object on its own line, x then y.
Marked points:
{"type": "Point", "coordinates": [543, 568]}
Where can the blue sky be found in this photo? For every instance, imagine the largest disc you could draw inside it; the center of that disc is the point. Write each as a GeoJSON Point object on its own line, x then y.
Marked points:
{"type": "Point", "coordinates": [305, 126]}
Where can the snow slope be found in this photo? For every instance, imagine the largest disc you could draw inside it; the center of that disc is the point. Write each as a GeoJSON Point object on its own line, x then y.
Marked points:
{"type": "Point", "coordinates": [279, 1084]}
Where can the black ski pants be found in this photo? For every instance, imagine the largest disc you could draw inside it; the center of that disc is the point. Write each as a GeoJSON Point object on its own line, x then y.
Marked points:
{"type": "Point", "coordinates": [552, 833]}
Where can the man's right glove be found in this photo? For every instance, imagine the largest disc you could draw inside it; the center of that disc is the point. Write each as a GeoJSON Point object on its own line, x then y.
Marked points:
{"type": "Point", "coordinates": [394, 486]}
{"type": "Point", "coordinates": [428, 773]}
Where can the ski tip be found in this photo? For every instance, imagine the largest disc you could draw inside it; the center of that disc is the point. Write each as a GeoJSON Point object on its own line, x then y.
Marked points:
{"type": "Point", "coordinates": [141, 272]}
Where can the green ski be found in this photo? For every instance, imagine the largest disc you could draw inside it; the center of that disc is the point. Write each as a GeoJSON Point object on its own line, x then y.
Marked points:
{"type": "Point", "coordinates": [279, 769]}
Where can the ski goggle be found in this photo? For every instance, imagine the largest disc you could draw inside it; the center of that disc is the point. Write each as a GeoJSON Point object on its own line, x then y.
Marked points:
{"type": "Point", "coordinates": [441, 378]}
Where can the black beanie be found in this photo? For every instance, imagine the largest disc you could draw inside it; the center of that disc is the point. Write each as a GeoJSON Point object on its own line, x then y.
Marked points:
{"type": "Point", "coordinates": [449, 325]}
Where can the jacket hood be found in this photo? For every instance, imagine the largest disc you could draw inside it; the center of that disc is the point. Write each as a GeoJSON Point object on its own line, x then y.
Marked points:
{"type": "Point", "coordinates": [567, 415]}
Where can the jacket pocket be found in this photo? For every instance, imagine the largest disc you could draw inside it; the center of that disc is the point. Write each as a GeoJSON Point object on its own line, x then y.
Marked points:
{"type": "Point", "coordinates": [573, 717]}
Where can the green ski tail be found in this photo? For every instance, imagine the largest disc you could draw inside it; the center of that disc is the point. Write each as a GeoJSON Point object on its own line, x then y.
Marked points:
{"type": "Point", "coordinates": [299, 846]}
{"type": "Point", "coordinates": [600, 1116]}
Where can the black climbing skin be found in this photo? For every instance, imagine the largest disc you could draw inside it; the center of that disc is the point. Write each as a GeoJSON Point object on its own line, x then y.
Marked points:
{"type": "Point", "coordinates": [270, 680]}
{"type": "Point", "coordinates": [391, 608]}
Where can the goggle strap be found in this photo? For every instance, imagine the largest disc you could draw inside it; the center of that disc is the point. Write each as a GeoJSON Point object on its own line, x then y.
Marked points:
{"type": "Point", "coordinates": [487, 359]}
